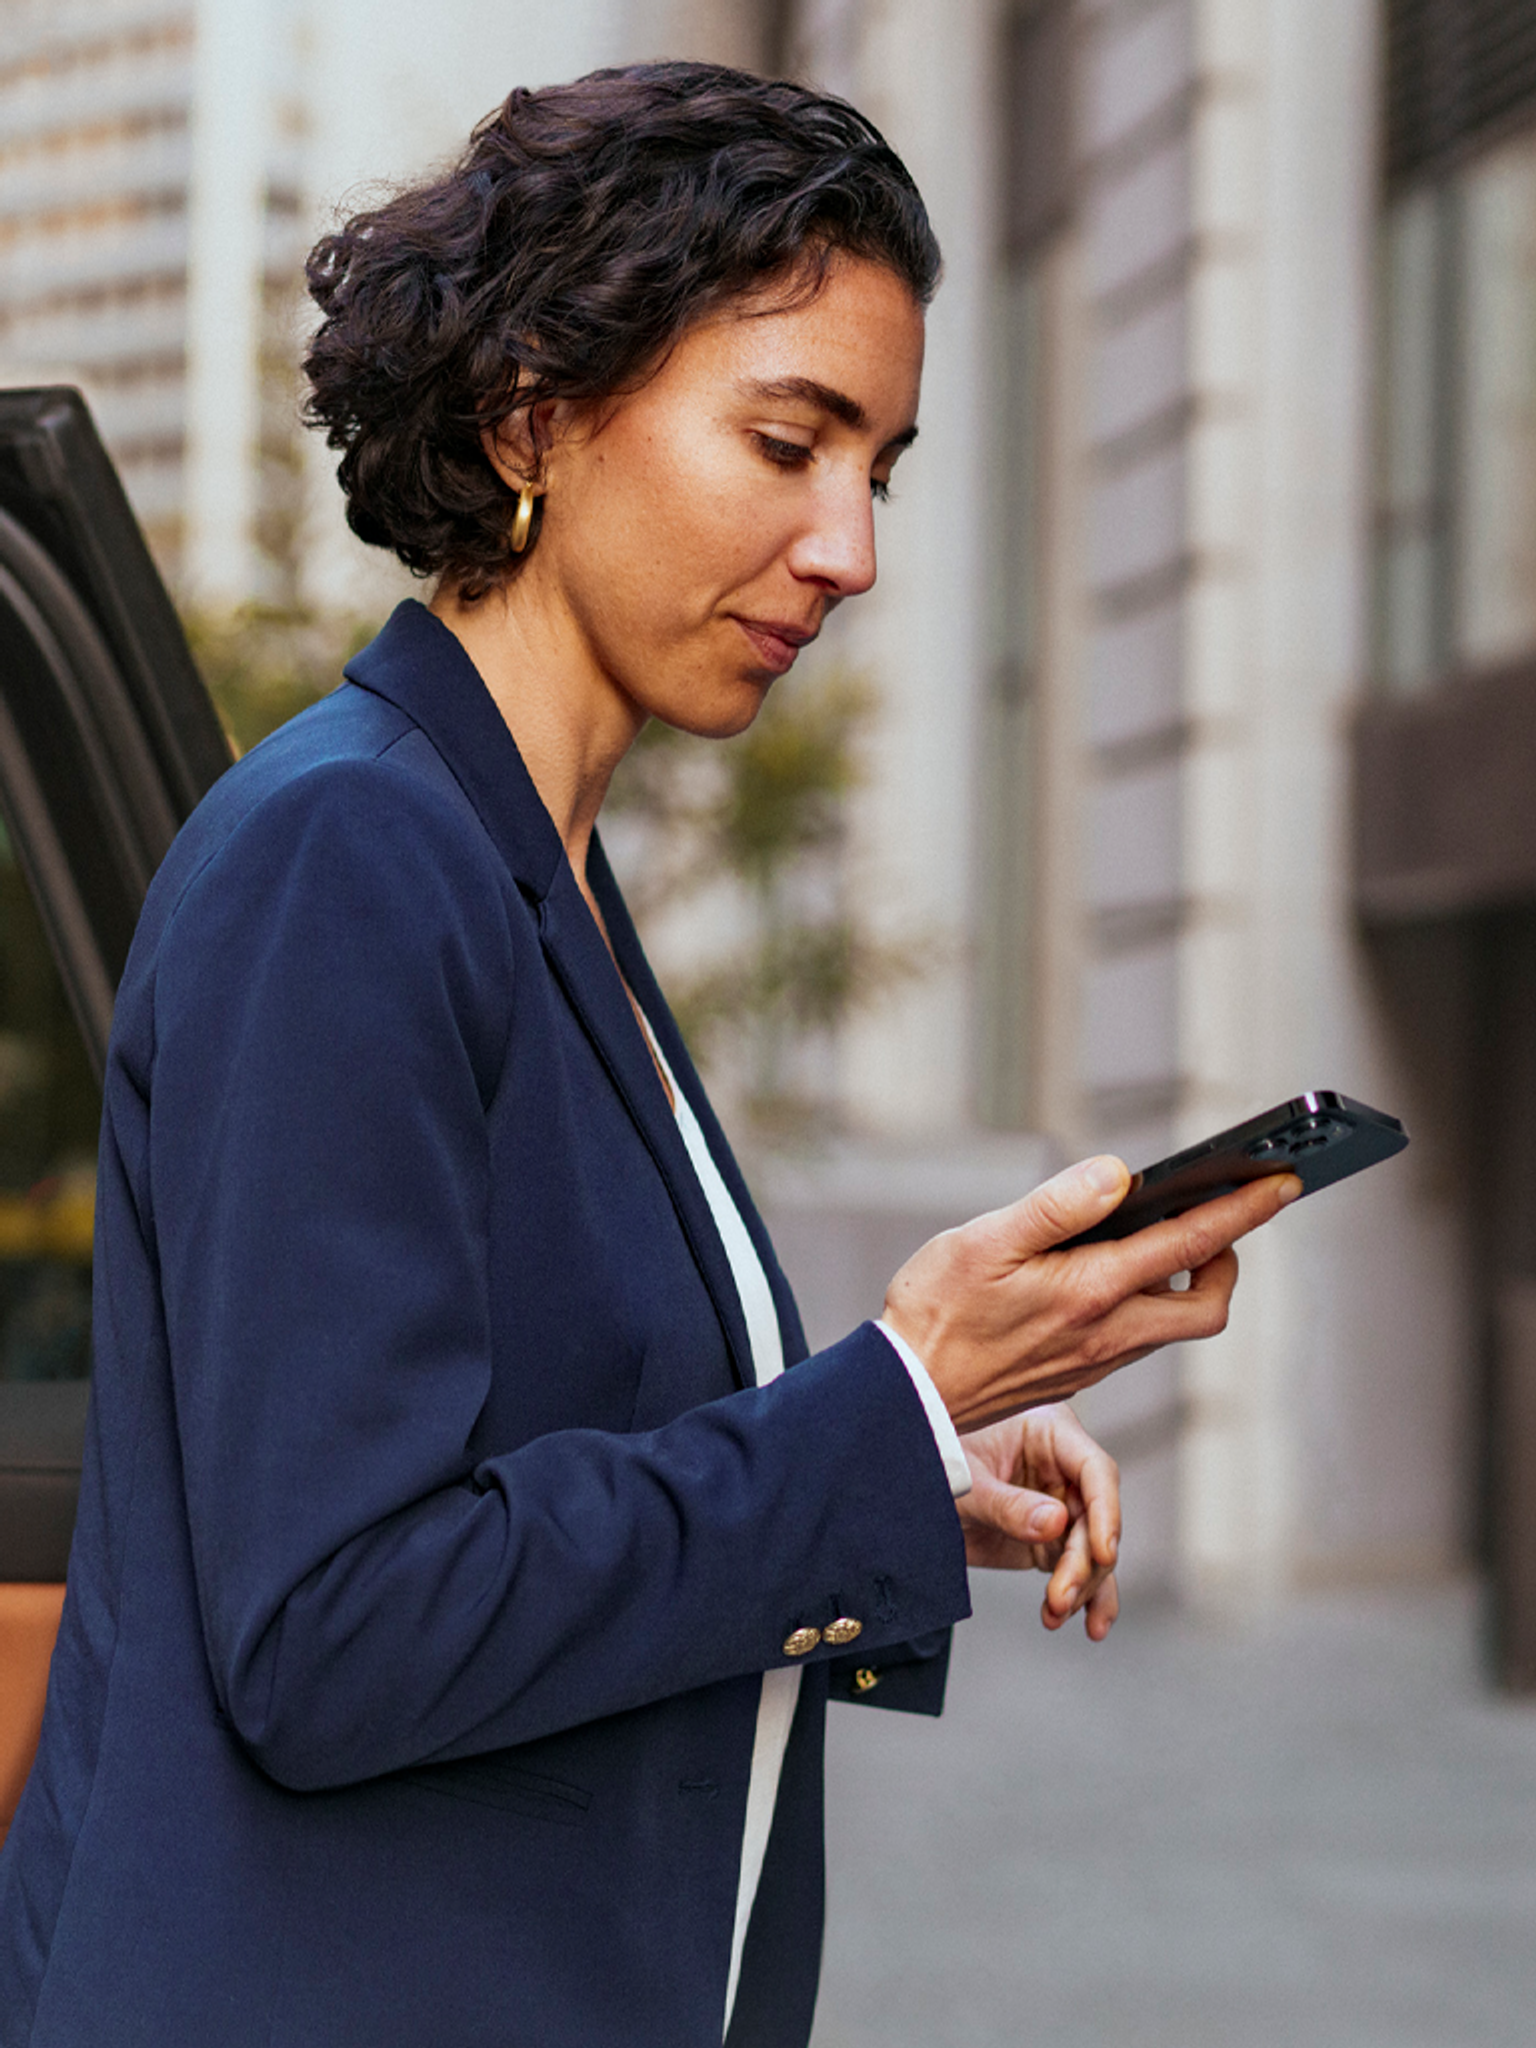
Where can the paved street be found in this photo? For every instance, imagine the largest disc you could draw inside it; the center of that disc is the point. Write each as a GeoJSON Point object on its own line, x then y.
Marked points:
{"type": "Point", "coordinates": [1320, 1833]}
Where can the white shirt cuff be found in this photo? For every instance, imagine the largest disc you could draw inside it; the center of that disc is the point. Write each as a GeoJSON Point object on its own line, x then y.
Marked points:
{"type": "Point", "coordinates": [945, 1436]}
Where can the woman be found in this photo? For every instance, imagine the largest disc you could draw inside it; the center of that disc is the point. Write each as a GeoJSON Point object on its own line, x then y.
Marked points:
{"type": "Point", "coordinates": [459, 1578]}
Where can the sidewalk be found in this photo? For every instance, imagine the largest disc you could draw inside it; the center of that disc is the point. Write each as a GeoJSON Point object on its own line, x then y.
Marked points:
{"type": "Point", "coordinates": [1319, 1833]}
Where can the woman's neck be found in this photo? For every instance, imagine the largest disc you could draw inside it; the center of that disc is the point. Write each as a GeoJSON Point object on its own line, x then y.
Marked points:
{"type": "Point", "coordinates": [571, 728]}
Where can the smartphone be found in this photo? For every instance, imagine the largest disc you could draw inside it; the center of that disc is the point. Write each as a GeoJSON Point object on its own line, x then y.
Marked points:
{"type": "Point", "coordinates": [1320, 1138]}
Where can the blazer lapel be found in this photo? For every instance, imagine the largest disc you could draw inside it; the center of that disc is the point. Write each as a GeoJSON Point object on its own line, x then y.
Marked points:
{"type": "Point", "coordinates": [637, 972]}
{"type": "Point", "coordinates": [581, 962]}
{"type": "Point", "coordinates": [423, 669]}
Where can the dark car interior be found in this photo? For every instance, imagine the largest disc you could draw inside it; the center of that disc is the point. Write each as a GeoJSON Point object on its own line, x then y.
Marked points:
{"type": "Point", "coordinates": [107, 741]}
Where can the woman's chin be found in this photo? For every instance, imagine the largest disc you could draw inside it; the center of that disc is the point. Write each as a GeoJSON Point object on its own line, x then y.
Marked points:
{"type": "Point", "coordinates": [725, 716]}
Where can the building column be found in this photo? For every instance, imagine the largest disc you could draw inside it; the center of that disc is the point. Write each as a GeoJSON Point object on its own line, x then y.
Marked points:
{"type": "Point", "coordinates": [226, 209]}
{"type": "Point", "coordinates": [924, 76]}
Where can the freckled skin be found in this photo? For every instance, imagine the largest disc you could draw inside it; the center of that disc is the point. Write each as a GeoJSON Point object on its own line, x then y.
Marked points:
{"type": "Point", "coordinates": [677, 517]}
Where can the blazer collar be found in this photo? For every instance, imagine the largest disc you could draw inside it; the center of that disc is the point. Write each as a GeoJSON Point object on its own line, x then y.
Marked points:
{"type": "Point", "coordinates": [423, 669]}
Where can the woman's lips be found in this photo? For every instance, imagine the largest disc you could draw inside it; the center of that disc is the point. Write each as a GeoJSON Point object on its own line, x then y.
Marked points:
{"type": "Point", "coordinates": [776, 645]}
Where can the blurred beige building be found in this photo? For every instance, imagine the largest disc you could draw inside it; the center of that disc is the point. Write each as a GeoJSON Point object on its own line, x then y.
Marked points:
{"type": "Point", "coordinates": [1187, 582]}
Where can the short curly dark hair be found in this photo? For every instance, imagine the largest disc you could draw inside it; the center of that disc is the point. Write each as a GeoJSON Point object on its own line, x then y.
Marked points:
{"type": "Point", "coordinates": [586, 227]}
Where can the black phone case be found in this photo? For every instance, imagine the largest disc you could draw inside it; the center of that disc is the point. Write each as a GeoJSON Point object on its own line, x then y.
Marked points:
{"type": "Point", "coordinates": [1321, 1138]}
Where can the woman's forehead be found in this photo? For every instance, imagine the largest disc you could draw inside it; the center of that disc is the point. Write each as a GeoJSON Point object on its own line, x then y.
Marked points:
{"type": "Point", "coordinates": [853, 348]}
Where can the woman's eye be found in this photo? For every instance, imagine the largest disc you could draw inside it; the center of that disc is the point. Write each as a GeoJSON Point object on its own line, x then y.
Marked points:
{"type": "Point", "coordinates": [786, 454]}
{"type": "Point", "coordinates": [880, 489]}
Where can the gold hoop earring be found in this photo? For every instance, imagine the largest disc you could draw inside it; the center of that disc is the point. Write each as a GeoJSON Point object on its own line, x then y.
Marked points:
{"type": "Point", "coordinates": [522, 519]}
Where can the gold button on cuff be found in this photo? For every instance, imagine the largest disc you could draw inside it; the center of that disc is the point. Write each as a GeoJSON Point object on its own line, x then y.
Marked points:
{"type": "Point", "coordinates": [841, 1631]}
{"type": "Point", "coordinates": [865, 1680]}
{"type": "Point", "coordinates": [801, 1642]}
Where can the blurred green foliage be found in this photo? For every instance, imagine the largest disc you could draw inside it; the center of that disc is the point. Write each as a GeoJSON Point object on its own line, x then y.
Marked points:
{"type": "Point", "coordinates": [264, 663]}
{"type": "Point", "coordinates": [763, 816]}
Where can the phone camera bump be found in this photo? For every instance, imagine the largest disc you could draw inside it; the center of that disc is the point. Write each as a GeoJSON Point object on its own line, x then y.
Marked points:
{"type": "Point", "coordinates": [1306, 1134]}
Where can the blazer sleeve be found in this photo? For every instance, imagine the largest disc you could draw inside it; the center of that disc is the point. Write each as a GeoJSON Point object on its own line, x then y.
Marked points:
{"type": "Point", "coordinates": [332, 996]}
{"type": "Point", "coordinates": [907, 1677]}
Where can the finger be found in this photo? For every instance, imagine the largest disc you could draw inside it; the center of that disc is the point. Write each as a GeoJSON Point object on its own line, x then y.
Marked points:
{"type": "Point", "coordinates": [1024, 1515]}
{"type": "Point", "coordinates": [1070, 1582]}
{"type": "Point", "coordinates": [1082, 1601]}
{"type": "Point", "coordinates": [1220, 1272]}
{"type": "Point", "coordinates": [1103, 1610]}
{"type": "Point", "coordinates": [1145, 1322]}
{"type": "Point", "coordinates": [1047, 1555]}
{"type": "Point", "coordinates": [1017, 1512]}
{"type": "Point", "coordinates": [1183, 1244]}
{"type": "Point", "coordinates": [1072, 1200]}
{"type": "Point", "coordinates": [1085, 1601]}
{"type": "Point", "coordinates": [1100, 1483]}
{"type": "Point", "coordinates": [1066, 1462]}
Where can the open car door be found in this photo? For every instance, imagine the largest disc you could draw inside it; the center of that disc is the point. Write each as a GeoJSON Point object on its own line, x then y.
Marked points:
{"type": "Point", "coordinates": [107, 740]}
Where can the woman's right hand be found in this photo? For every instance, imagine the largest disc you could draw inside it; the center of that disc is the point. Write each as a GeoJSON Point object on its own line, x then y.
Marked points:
{"type": "Point", "coordinates": [1003, 1320]}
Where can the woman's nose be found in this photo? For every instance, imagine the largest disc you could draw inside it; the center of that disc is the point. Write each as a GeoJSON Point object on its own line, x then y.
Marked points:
{"type": "Point", "coordinates": [837, 549]}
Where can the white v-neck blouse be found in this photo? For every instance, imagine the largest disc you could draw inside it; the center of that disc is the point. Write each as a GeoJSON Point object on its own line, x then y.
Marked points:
{"type": "Point", "coordinates": [780, 1688]}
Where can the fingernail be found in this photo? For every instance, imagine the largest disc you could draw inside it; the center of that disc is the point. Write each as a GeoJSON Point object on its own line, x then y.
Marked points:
{"type": "Point", "coordinates": [1041, 1521]}
{"type": "Point", "coordinates": [1291, 1189]}
{"type": "Point", "coordinates": [1106, 1175]}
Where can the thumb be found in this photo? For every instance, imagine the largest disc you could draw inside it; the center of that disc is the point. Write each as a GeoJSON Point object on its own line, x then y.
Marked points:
{"type": "Point", "coordinates": [1072, 1200]}
{"type": "Point", "coordinates": [1015, 1511]}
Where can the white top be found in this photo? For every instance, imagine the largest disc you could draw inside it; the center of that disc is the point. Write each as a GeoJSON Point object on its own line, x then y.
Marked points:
{"type": "Point", "coordinates": [780, 1688]}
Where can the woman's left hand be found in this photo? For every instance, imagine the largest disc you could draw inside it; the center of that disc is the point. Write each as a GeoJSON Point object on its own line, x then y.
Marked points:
{"type": "Point", "coordinates": [1045, 1497]}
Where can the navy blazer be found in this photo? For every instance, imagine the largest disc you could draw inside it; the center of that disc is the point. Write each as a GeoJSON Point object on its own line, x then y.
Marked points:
{"type": "Point", "coordinates": [432, 1534]}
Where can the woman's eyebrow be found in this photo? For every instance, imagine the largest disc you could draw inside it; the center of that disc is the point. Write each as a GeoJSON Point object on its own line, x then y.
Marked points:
{"type": "Point", "coordinates": [806, 391]}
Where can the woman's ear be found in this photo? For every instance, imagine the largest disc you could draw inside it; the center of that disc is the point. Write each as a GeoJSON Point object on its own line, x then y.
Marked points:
{"type": "Point", "coordinates": [525, 447]}
{"type": "Point", "coordinates": [519, 447]}
{"type": "Point", "coordinates": [509, 449]}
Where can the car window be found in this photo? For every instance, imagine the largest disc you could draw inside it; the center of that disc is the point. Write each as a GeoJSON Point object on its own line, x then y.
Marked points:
{"type": "Point", "coordinates": [50, 1107]}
